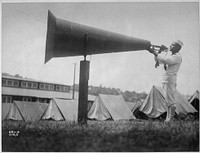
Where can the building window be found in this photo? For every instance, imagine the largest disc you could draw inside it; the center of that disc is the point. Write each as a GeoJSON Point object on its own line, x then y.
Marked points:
{"type": "Point", "coordinates": [34, 85]}
{"type": "Point", "coordinates": [46, 86]}
{"type": "Point", "coordinates": [62, 88]}
{"type": "Point", "coordinates": [10, 83]}
{"type": "Point", "coordinates": [57, 88]}
{"type": "Point", "coordinates": [43, 100]}
{"type": "Point", "coordinates": [66, 88]}
{"type": "Point", "coordinates": [16, 83]}
{"type": "Point", "coordinates": [41, 86]}
{"type": "Point", "coordinates": [7, 99]}
{"type": "Point", "coordinates": [51, 87]}
{"type": "Point", "coordinates": [4, 82]}
{"type": "Point", "coordinates": [29, 99]}
{"type": "Point", "coordinates": [4, 99]}
{"type": "Point", "coordinates": [24, 84]}
{"type": "Point", "coordinates": [29, 84]}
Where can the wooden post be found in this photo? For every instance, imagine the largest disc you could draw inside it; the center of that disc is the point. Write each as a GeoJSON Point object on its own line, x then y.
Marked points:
{"type": "Point", "coordinates": [83, 87]}
{"type": "Point", "coordinates": [83, 92]}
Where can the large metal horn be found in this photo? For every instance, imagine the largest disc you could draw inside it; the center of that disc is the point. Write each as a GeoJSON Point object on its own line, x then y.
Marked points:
{"type": "Point", "coordinates": [65, 38]}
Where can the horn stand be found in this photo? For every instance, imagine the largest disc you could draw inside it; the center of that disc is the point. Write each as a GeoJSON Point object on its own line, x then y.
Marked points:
{"type": "Point", "coordinates": [83, 87]}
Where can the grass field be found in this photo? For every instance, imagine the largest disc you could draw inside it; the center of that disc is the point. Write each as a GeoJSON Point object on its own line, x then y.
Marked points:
{"type": "Point", "coordinates": [101, 136]}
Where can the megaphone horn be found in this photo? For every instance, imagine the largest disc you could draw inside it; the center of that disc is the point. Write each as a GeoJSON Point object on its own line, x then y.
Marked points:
{"type": "Point", "coordinates": [65, 38]}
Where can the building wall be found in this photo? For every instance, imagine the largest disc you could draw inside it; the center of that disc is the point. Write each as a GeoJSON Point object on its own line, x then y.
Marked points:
{"type": "Point", "coordinates": [32, 91]}
{"type": "Point", "coordinates": [13, 83]}
{"type": "Point", "coordinates": [11, 98]}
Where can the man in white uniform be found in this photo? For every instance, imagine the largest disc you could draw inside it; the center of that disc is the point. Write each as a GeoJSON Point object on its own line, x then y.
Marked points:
{"type": "Point", "coordinates": [172, 61]}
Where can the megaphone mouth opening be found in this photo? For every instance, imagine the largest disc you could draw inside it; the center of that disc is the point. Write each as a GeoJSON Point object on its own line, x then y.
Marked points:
{"type": "Point", "coordinates": [65, 38]}
{"type": "Point", "coordinates": [50, 36]}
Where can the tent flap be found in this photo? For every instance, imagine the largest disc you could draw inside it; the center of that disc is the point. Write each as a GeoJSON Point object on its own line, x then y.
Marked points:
{"type": "Point", "coordinates": [5, 109]}
{"type": "Point", "coordinates": [98, 110]}
{"type": "Point", "coordinates": [194, 100]}
{"type": "Point", "coordinates": [52, 112]}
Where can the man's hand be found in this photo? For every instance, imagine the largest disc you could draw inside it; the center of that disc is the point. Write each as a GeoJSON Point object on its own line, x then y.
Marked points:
{"type": "Point", "coordinates": [151, 50]}
{"type": "Point", "coordinates": [157, 64]}
{"type": "Point", "coordinates": [163, 48]}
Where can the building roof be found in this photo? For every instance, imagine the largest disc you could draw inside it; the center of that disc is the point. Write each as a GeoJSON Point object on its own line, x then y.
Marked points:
{"type": "Point", "coordinates": [41, 93]}
{"type": "Point", "coordinates": [31, 80]}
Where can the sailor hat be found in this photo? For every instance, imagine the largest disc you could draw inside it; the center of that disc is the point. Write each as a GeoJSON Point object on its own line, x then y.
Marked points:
{"type": "Point", "coordinates": [178, 42]}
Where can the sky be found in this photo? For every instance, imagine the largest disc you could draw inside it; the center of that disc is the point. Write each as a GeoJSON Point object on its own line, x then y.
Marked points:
{"type": "Point", "coordinates": [24, 28]}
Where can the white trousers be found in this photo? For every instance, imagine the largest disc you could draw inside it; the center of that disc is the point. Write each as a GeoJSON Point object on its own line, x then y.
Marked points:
{"type": "Point", "coordinates": [169, 93]}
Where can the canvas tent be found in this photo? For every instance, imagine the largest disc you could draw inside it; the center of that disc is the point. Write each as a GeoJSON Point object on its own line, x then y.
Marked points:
{"type": "Point", "coordinates": [5, 107]}
{"type": "Point", "coordinates": [28, 111]}
{"type": "Point", "coordinates": [61, 109]}
{"type": "Point", "coordinates": [133, 106]}
{"type": "Point", "coordinates": [155, 105]}
{"type": "Point", "coordinates": [110, 107]}
{"type": "Point", "coordinates": [194, 100]}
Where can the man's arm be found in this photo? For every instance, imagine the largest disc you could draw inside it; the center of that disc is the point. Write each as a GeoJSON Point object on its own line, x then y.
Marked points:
{"type": "Point", "coordinates": [166, 60]}
{"type": "Point", "coordinates": [174, 59]}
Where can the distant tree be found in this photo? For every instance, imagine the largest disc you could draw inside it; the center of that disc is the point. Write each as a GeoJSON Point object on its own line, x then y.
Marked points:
{"type": "Point", "coordinates": [6, 74]}
{"type": "Point", "coordinates": [130, 96]}
{"type": "Point", "coordinates": [18, 76]}
{"type": "Point", "coordinates": [127, 95]}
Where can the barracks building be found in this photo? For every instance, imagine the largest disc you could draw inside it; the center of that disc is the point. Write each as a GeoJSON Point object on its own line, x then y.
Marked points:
{"type": "Point", "coordinates": [28, 90]}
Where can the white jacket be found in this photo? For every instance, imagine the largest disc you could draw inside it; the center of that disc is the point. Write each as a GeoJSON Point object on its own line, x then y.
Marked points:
{"type": "Point", "coordinates": [173, 62]}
